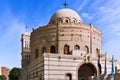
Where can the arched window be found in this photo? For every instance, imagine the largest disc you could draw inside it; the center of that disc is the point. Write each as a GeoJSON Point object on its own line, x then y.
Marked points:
{"type": "Point", "coordinates": [76, 47]}
{"type": "Point", "coordinates": [68, 76]}
{"type": "Point", "coordinates": [66, 21]}
{"type": "Point", "coordinates": [43, 49]}
{"type": "Point", "coordinates": [87, 49]}
{"type": "Point", "coordinates": [52, 49]}
{"type": "Point", "coordinates": [73, 21]}
{"type": "Point", "coordinates": [36, 53]}
{"type": "Point", "coordinates": [66, 49]}
{"type": "Point", "coordinates": [97, 52]}
{"type": "Point", "coordinates": [59, 20]}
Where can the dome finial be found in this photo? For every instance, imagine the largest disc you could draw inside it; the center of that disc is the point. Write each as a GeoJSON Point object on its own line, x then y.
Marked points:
{"type": "Point", "coordinates": [65, 5]}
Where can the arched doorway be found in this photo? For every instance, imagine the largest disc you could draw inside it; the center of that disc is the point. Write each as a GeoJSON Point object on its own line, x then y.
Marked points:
{"type": "Point", "coordinates": [86, 71]}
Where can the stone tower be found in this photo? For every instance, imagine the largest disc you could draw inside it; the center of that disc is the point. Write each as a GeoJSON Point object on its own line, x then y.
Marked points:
{"type": "Point", "coordinates": [25, 40]}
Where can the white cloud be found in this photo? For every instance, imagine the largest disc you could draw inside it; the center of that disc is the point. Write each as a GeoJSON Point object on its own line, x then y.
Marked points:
{"type": "Point", "coordinates": [82, 5]}
{"type": "Point", "coordinates": [97, 3]}
{"type": "Point", "coordinates": [112, 47]}
{"type": "Point", "coordinates": [109, 12]}
{"type": "Point", "coordinates": [109, 17]}
{"type": "Point", "coordinates": [112, 4]}
{"type": "Point", "coordinates": [104, 10]}
{"type": "Point", "coordinates": [86, 15]}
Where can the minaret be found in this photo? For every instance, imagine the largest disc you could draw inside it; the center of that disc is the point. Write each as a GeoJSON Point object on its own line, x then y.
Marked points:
{"type": "Point", "coordinates": [25, 40]}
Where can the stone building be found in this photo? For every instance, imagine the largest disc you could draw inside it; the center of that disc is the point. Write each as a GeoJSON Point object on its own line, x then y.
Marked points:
{"type": "Point", "coordinates": [64, 49]}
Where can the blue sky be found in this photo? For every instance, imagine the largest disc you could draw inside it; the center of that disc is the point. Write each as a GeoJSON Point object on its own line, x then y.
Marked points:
{"type": "Point", "coordinates": [16, 14]}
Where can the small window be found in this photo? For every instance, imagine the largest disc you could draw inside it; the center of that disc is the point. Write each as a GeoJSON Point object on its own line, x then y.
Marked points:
{"type": "Point", "coordinates": [66, 21]}
{"type": "Point", "coordinates": [68, 76]}
{"type": "Point", "coordinates": [77, 47]}
{"type": "Point", "coordinates": [59, 20]}
{"type": "Point", "coordinates": [66, 49]}
{"type": "Point", "coordinates": [52, 49]}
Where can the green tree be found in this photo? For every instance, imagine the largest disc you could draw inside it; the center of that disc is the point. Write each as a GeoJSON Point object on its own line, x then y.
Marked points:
{"type": "Point", "coordinates": [2, 77]}
{"type": "Point", "coordinates": [14, 73]}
